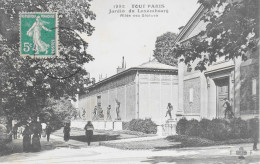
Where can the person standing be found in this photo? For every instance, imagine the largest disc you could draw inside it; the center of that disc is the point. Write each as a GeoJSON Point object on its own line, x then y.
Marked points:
{"type": "Point", "coordinates": [255, 132]}
{"type": "Point", "coordinates": [15, 129]}
{"type": "Point", "coordinates": [48, 131]}
{"type": "Point", "coordinates": [26, 138]}
{"type": "Point", "coordinates": [43, 129]}
{"type": "Point", "coordinates": [66, 131]}
{"type": "Point", "coordinates": [89, 131]}
{"type": "Point", "coordinates": [169, 110]}
{"type": "Point", "coordinates": [37, 130]}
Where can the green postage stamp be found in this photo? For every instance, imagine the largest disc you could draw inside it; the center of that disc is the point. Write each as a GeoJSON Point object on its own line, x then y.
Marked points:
{"type": "Point", "coordinates": [39, 34]}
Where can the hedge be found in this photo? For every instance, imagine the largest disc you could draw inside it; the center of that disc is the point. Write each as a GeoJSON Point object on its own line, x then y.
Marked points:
{"type": "Point", "coordinates": [217, 129]}
{"type": "Point", "coordinates": [146, 126]}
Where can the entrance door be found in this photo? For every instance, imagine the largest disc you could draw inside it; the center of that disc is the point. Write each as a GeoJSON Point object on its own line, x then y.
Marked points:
{"type": "Point", "coordinates": [222, 92]}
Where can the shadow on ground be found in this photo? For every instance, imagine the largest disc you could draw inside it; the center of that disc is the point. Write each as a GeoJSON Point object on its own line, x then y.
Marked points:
{"type": "Point", "coordinates": [201, 160]}
{"type": "Point", "coordinates": [95, 138]}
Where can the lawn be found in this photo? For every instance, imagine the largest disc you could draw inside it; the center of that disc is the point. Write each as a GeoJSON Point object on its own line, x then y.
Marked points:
{"type": "Point", "coordinates": [101, 135]}
{"type": "Point", "coordinates": [173, 142]}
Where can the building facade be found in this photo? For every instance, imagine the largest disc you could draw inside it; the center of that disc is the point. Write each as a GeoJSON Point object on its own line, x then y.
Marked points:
{"type": "Point", "coordinates": [143, 92]}
{"type": "Point", "coordinates": [202, 94]}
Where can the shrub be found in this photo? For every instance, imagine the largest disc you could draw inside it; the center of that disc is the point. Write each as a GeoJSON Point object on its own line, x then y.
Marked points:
{"type": "Point", "coordinates": [217, 129]}
{"type": "Point", "coordinates": [193, 128]}
{"type": "Point", "coordinates": [239, 129]}
{"type": "Point", "coordinates": [145, 126]}
{"type": "Point", "coordinates": [220, 130]}
{"type": "Point", "coordinates": [206, 129]}
{"type": "Point", "coordinates": [181, 126]}
{"type": "Point", "coordinates": [125, 125]}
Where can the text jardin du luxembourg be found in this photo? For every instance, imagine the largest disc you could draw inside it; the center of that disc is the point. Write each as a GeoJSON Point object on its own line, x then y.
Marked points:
{"type": "Point", "coordinates": [138, 9]}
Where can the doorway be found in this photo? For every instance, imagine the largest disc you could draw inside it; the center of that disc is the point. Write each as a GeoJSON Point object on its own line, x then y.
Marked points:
{"type": "Point", "coordinates": [222, 86]}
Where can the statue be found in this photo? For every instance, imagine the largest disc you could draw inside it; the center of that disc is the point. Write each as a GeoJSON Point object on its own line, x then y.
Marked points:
{"type": "Point", "coordinates": [169, 110]}
{"type": "Point", "coordinates": [95, 113]}
{"type": "Point", "coordinates": [100, 113]}
{"type": "Point", "coordinates": [108, 112]}
{"type": "Point", "coordinates": [117, 110]}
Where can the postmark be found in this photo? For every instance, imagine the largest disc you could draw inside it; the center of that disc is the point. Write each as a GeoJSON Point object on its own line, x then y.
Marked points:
{"type": "Point", "coordinates": [39, 34]}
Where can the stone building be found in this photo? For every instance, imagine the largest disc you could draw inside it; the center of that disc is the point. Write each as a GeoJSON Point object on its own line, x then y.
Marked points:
{"type": "Point", "coordinates": [143, 92]}
{"type": "Point", "coordinates": [201, 94]}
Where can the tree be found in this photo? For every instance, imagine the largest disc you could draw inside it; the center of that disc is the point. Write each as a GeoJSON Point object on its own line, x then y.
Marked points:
{"type": "Point", "coordinates": [57, 112]}
{"type": "Point", "coordinates": [231, 32]}
{"type": "Point", "coordinates": [27, 83]}
{"type": "Point", "coordinates": [164, 49]}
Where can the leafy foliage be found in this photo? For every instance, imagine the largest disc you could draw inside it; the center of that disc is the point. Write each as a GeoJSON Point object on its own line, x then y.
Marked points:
{"type": "Point", "coordinates": [57, 112]}
{"type": "Point", "coordinates": [145, 126]}
{"type": "Point", "coordinates": [27, 83]}
{"type": "Point", "coordinates": [217, 129]}
{"type": "Point", "coordinates": [164, 49]}
{"type": "Point", "coordinates": [230, 32]}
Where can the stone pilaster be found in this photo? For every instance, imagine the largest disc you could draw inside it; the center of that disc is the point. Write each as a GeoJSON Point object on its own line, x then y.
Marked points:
{"type": "Point", "coordinates": [181, 67]}
{"type": "Point", "coordinates": [237, 86]}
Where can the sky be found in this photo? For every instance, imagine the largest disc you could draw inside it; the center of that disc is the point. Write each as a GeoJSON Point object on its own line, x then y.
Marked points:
{"type": "Point", "coordinates": [131, 37]}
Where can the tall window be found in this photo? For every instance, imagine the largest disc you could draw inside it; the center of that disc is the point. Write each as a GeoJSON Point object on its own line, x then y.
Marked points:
{"type": "Point", "coordinates": [191, 95]}
{"type": "Point", "coordinates": [99, 101]}
{"type": "Point", "coordinates": [253, 86]}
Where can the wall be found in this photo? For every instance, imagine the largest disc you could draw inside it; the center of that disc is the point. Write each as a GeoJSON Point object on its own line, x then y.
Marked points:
{"type": "Point", "coordinates": [156, 90]}
{"type": "Point", "coordinates": [191, 101]}
{"type": "Point", "coordinates": [249, 104]}
{"type": "Point", "coordinates": [122, 89]}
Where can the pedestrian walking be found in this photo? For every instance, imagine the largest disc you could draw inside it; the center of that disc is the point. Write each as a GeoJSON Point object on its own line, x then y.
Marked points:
{"type": "Point", "coordinates": [48, 131]}
{"type": "Point", "coordinates": [89, 131]}
{"type": "Point", "coordinates": [66, 131]}
{"type": "Point", "coordinates": [27, 138]}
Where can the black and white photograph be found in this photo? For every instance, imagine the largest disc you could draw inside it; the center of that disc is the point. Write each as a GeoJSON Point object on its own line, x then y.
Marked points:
{"type": "Point", "coordinates": [129, 81]}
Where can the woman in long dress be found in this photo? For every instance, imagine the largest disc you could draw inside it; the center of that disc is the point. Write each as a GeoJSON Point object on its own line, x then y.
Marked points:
{"type": "Point", "coordinates": [35, 31]}
{"type": "Point", "coordinates": [66, 132]}
{"type": "Point", "coordinates": [27, 138]}
{"type": "Point", "coordinates": [89, 131]}
{"type": "Point", "coordinates": [37, 129]}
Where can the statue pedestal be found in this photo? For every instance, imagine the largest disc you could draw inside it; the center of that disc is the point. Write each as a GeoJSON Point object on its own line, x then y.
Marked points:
{"type": "Point", "coordinates": [118, 125]}
{"type": "Point", "coordinates": [169, 128]}
{"type": "Point", "coordinates": [109, 125]}
{"type": "Point", "coordinates": [99, 124]}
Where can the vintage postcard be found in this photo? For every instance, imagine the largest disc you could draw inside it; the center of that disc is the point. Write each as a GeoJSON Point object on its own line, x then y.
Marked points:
{"type": "Point", "coordinates": [129, 81]}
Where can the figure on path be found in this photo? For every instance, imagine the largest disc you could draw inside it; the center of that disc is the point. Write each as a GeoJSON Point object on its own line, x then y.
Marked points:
{"type": "Point", "coordinates": [109, 113]}
{"type": "Point", "coordinates": [48, 131]}
{"type": "Point", "coordinates": [228, 109]}
{"type": "Point", "coordinates": [35, 32]}
{"type": "Point", "coordinates": [118, 110]}
{"type": "Point", "coordinates": [15, 129]}
{"type": "Point", "coordinates": [255, 132]}
{"type": "Point", "coordinates": [37, 130]}
{"type": "Point", "coordinates": [66, 131]}
{"type": "Point", "coordinates": [89, 131]}
{"type": "Point", "coordinates": [27, 138]}
{"type": "Point", "coordinates": [169, 110]}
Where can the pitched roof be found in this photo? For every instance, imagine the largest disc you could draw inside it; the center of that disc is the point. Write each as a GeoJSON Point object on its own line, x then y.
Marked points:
{"type": "Point", "coordinates": [154, 64]}
{"type": "Point", "coordinates": [191, 29]}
